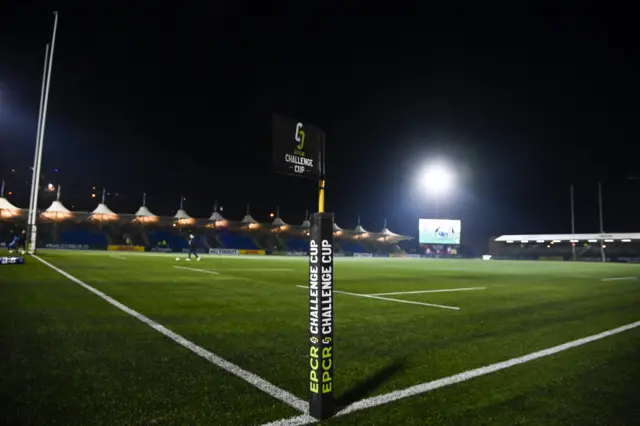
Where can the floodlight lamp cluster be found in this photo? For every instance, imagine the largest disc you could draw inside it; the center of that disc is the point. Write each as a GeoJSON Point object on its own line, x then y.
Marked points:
{"type": "Point", "coordinates": [437, 179]}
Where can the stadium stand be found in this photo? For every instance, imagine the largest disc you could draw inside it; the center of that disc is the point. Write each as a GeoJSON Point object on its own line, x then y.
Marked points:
{"type": "Point", "coordinates": [58, 227]}
{"type": "Point", "coordinates": [175, 241]}
{"type": "Point", "coordinates": [617, 247]}
{"type": "Point", "coordinates": [353, 247]}
{"type": "Point", "coordinates": [237, 241]}
{"type": "Point", "coordinates": [297, 244]}
{"type": "Point", "coordinates": [83, 236]}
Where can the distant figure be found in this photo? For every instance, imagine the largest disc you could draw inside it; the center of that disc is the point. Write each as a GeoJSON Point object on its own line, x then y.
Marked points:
{"type": "Point", "coordinates": [192, 247]}
{"type": "Point", "coordinates": [18, 242]}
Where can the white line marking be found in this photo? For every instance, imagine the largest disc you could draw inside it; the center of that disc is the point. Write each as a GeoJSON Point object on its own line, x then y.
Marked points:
{"type": "Point", "coordinates": [237, 371]}
{"type": "Point", "coordinates": [119, 257]}
{"type": "Point", "coordinates": [398, 300]}
{"type": "Point", "coordinates": [206, 271]}
{"type": "Point", "coordinates": [429, 386]}
{"type": "Point", "coordinates": [467, 375]}
{"type": "Point", "coordinates": [369, 296]}
{"type": "Point", "coordinates": [304, 419]}
{"type": "Point", "coordinates": [619, 278]}
{"type": "Point", "coordinates": [258, 269]}
{"type": "Point", "coordinates": [429, 291]}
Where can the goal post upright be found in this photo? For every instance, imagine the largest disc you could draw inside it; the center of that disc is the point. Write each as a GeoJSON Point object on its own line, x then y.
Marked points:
{"type": "Point", "coordinates": [299, 150]}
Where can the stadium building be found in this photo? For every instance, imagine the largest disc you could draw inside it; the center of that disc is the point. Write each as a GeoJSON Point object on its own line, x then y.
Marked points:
{"type": "Point", "coordinates": [103, 229]}
{"type": "Point", "coordinates": [614, 247]}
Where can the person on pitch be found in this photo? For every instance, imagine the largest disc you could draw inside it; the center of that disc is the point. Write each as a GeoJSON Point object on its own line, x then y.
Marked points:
{"type": "Point", "coordinates": [18, 242]}
{"type": "Point", "coordinates": [192, 247]}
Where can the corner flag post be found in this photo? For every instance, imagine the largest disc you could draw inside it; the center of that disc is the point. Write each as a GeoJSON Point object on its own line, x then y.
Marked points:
{"type": "Point", "coordinates": [298, 150]}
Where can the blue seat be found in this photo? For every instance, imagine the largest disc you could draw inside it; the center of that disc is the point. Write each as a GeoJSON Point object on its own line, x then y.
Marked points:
{"type": "Point", "coordinates": [81, 236]}
{"type": "Point", "coordinates": [236, 241]}
{"type": "Point", "coordinates": [174, 241]}
{"type": "Point", "coordinates": [297, 244]}
{"type": "Point", "coordinates": [352, 247]}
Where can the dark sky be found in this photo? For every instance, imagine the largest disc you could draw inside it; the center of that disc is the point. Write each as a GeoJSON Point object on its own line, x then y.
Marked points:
{"type": "Point", "coordinates": [178, 101]}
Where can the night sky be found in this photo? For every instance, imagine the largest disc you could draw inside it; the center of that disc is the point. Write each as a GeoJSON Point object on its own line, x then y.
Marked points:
{"type": "Point", "coordinates": [178, 102]}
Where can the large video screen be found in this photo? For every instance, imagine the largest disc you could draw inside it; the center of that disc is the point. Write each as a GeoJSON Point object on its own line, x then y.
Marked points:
{"type": "Point", "coordinates": [439, 231]}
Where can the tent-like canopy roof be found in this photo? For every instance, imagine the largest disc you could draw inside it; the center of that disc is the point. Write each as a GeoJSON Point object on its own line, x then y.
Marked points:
{"type": "Point", "coordinates": [567, 237]}
{"type": "Point", "coordinates": [359, 230]}
{"type": "Point", "coordinates": [57, 207]}
{"type": "Point", "coordinates": [144, 215]}
{"type": "Point", "coordinates": [103, 213]}
{"type": "Point", "coordinates": [56, 211]}
{"type": "Point", "coordinates": [386, 235]}
{"type": "Point", "coordinates": [181, 214]}
{"type": "Point", "coordinates": [6, 205]}
{"type": "Point", "coordinates": [102, 209]}
{"type": "Point", "coordinates": [248, 219]}
{"type": "Point", "coordinates": [216, 217]}
{"type": "Point", "coordinates": [144, 212]}
{"type": "Point", "coordinates": [278, 222]}
{"type": "Point", "coordinates": [7, 209]}
{"type": "Point", "coordinates": [306, 224]}
{"type": "Point", "coordinates": [385, 231]}
{"type": "Point", "coordinates": [336, 228]}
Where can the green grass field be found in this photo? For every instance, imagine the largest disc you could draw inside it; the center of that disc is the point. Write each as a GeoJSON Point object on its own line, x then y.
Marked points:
{"type": "Point", "coordinates": [67, 357]}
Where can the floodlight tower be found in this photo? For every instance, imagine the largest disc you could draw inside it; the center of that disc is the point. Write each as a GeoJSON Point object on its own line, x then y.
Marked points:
{"type": "Point", "coordinates": [437, 179]}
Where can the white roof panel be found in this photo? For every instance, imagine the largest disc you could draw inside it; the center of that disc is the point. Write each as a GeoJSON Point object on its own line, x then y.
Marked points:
{"type": "Point", "coordinates": [6, 205]}
{"type": "Point", "coordinates": [569, 237]}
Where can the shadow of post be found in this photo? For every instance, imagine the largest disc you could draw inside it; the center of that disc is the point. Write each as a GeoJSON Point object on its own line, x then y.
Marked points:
{"type": "Point", "coordinates": [369, 385]}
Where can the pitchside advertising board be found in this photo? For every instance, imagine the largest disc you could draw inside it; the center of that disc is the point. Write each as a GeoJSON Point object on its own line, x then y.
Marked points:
{"type": "Point", "coordinates": [297, 148]}
{"type": "Point", "coordinates": [11, 261]}
{"type": "Point", "coordinates": [439, 231]}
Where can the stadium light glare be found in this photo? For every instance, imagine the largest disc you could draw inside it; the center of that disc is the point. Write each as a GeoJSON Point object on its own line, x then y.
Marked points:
{"type": "Point", "coordinates": [437, 179]}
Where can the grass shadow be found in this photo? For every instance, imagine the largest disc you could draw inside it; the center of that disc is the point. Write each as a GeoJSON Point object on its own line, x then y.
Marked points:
{"type": "Point", "coordinates": [369, 385]}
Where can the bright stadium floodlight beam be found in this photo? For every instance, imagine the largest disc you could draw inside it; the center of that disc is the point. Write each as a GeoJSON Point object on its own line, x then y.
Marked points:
{"type": "Point", "coordinates": [437, 179]}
